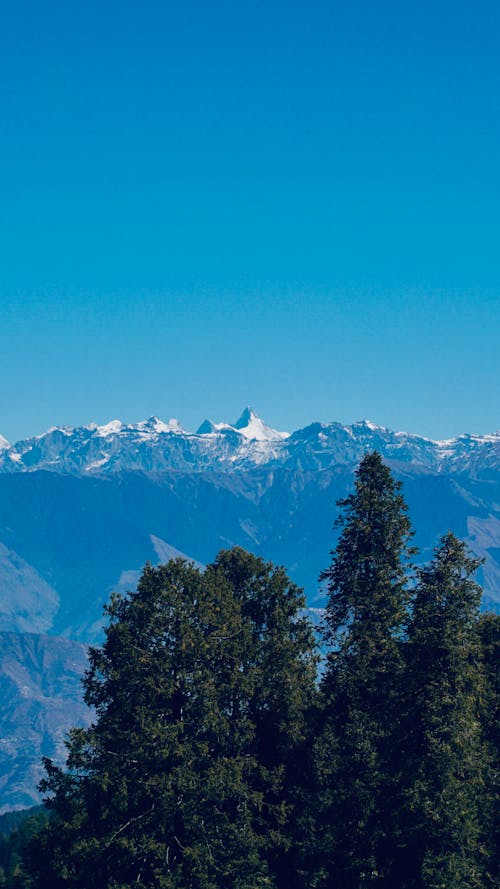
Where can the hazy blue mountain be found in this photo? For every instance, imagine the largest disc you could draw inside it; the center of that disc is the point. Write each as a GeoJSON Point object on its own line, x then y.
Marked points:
{"type": "Point", "coordinates": [82, 510]}
{"type": "Point", "coordinates": [40, 699]}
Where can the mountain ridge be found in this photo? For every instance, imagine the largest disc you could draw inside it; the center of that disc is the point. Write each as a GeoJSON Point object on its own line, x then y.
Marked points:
{"type": "Point", "coordinates": [154, 446]}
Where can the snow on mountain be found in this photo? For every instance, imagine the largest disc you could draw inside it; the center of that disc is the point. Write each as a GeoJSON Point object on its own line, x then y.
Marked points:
{"type": "Point", "coordinates": [372, 426]}
{"type": "Point", "coordinates": [4, 444]}
{"type": "Point", "coordinates": [156, 446]}
{"type": "Point", "coordinates": [156, 425]}
{"type": "Point", "coordinates": [249, 425]}
{"type": "Point", "coordinates": [210, 428]}
{"type": "Point", "coordinates": [153, 426]}
{"type": "Point", "coordinates": [253, 428]}
{"type": "Point", "coordinates": [112, 428]}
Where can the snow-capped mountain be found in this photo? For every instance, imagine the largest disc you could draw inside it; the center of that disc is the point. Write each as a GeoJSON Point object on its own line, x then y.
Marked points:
{"type": "Point", "coordinates": [155, 446]}
{"type": "Point", "coordinates": [253, 428]}
{"type": "Point", "coordinates": [249, 425]}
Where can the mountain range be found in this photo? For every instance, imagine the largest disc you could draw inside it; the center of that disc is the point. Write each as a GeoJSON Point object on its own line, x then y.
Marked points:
{"type": "Point", "coordinates": [156, 446]}
{"type": "Point", "coordinates": [82, 509]}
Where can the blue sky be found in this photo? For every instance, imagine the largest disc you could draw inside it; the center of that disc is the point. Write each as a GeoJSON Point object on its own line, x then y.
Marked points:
{"type": "Point", "coordinates": [292, 205]}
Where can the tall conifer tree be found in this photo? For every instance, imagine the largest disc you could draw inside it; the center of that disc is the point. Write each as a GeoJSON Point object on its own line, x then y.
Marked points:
{"type": "Point", "coordinates": [280, 660]}
{"type": "Point", "coordinates": [489, 635]}
{"type": "Point", "coordinates": [184, 780]}
{"type": "Point", "coordinates": [365, 614]}
{"type": "Point", "coordinates": [445, 755]}
{"type": "Point", "coordinates": [158, 793]}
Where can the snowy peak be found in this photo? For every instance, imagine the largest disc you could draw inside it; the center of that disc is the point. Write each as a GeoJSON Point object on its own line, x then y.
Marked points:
{"type": "Point", "coordinates": [210, 428]}
{"type": "Point", "coordinates": [157, 426]}
{"type": "Point", "coordinates": [252, 427]}
{"type": "Point", "coordinates": [368, 425]}
{"type": "Point", "coordinates": [112, 428]}
{"type": "Point", "coordinates": [247, 417]}
{"type": "Point", "coordinates": [153, 426]}
{"type": "Point", "coordinates": [4, 444]}
{"type": "Point", "coordinates": [248, 425]}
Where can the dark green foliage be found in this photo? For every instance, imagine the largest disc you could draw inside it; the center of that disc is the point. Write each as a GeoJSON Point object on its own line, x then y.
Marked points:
{"type": "Point", "coordinates": [171, 787]}
{"type": "Point", "coordinates": [280, 659]}
{"type": "Point", "coordinates": [17, 831]}
{"type": "Point", "coordinates": [489, 635]}
{"type": "Point", "coordinates": [153, 799]}
{"type": "Point", "coordinates": [488, 627]}
{"type": "Point", "coordinates": [446, 759]}
{"type": "Point", "coordinates": [366, 610]}
{"type": "Point", "coordinates": [10, 821]}
{"type": "Point", "coordinates": [367, 577]}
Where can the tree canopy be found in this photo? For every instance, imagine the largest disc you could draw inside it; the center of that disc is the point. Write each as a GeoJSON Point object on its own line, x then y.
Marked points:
{"type": "Point", "coordinates": [365, 614]}
{"type": "Point", "coordinates": [182, 778]}
{"type": "Point", "coordinates": [445, 755]}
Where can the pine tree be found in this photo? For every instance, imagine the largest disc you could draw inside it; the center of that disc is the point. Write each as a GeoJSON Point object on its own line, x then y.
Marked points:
{"type": "Point", "coordinates": [489, 635]}
{"type": "Point", "coordinates": [14, 847]}
{"type": "Point", "coordinates": [157, 792]}
{"type": "Point", "coordinates": [365, 613]}
{"type": "Point", "coordinates": [446, 759]}
{"type": "Point", "coordinates": [280, 663]}
{"type": "Point", "coordinates": [184, 780]}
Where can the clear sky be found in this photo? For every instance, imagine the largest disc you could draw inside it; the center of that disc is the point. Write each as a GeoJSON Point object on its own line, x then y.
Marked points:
{"type": "Point", "coordinates": [294, 205]}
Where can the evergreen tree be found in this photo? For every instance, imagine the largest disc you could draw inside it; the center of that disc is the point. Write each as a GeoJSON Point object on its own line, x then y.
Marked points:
{"type": "Point", "coordinates": [20, 828]}
{"type": "Point", "coordinates": [157, 792]}
{"type": "Point", "coordinates": [489, 635]}
{"type": "Point", "coordinates": [200, 694]}
{"type": "Point", "coordinates": [365, 614]}
{"type": "Point", "coordinates": [280, 661]}
{"type": "Point", "coordinates": [446, 759]}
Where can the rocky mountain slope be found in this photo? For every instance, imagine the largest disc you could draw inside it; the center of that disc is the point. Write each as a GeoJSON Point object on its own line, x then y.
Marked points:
{"type": "Point", "coordinates": [82, 510]}
{"type": "Point", "coordinates": [40, 699]}
{"type": "Point", "coordinates": [156, 446]}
